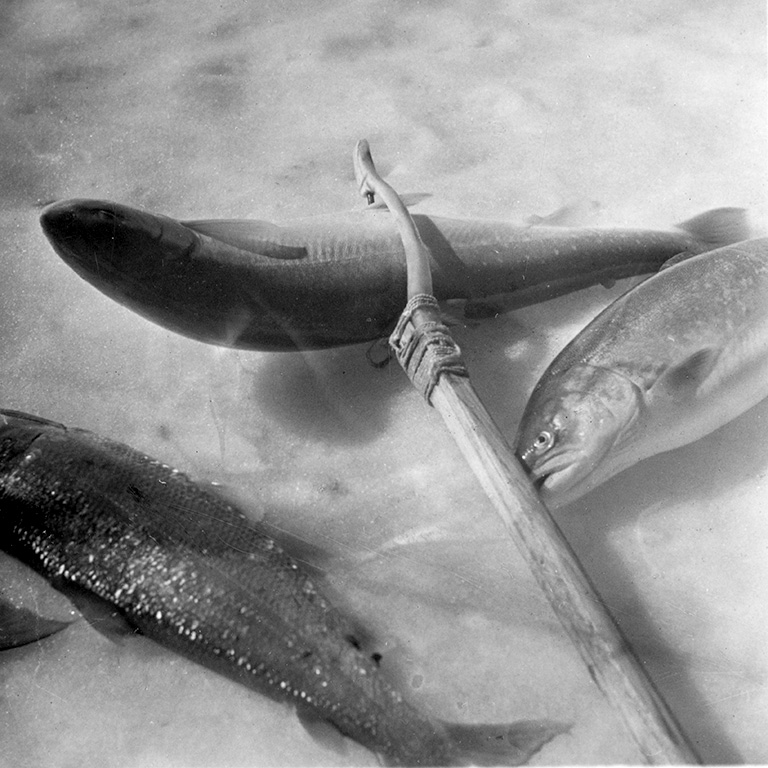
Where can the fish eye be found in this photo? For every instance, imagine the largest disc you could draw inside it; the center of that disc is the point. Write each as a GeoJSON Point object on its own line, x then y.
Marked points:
{"type": "Point", "coordinates": [544, 441]}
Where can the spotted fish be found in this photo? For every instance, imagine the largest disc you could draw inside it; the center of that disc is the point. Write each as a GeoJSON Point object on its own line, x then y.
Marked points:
{"type": "Point", "coordinates": [190, 572]}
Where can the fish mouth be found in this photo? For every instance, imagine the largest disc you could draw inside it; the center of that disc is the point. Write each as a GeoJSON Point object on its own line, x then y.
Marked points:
{"type": "Point", "coordinates": [556, 476]}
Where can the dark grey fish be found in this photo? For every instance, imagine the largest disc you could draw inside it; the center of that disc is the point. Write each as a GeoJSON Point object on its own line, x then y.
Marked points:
{"type": "Point", "coordinates": [190, 572]}
{"type": "Point", "coordinates": [340, 279]}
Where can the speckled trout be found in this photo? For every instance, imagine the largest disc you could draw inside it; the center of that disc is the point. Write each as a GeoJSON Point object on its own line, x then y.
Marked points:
{"type": "Point", "coordinates": [341, 279]}
{"type": "Point", "coordinates": [190, 572]}
{"type": "Point", "coordinates": [668, 362]}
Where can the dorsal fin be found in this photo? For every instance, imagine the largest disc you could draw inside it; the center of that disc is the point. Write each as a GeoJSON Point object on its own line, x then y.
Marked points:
{"type": "Point", "coordinates": [574, 214]}
{"type": "Point", "coordinates": [321, 731]}
{"type": "Point", "coordinates": [718, 227]}
{"type": "Point", "coordinates": [251, 235]}
{"type": "Point", "coordinates": [28, 417]}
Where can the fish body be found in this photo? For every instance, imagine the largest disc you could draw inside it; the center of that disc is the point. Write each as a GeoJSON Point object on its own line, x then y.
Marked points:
{"type": "Point", "coordinates": [668, 362]}
{"type": "Point", "coordinates": [191, 573]}
{"type": "Point", "coordinates": [340, 279]}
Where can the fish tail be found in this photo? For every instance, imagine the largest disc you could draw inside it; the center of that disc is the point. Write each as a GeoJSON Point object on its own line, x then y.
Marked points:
{"type": "Point", "coordinates": [718, 227]}
{"type": "Point", "coordinates": [510, 744]}
{"type": "Point", "coordinates": [19, 626]}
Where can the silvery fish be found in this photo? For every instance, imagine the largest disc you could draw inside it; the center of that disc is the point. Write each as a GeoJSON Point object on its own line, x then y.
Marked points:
{"type": "Point", "coordinates": [340, 279]}
{"type": "Point", "coordinates": [188, 570]}
{"type": "Point", "coordinates": [668, 362]}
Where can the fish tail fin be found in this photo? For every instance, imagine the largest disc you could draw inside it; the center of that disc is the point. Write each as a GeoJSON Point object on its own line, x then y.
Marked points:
{"type": "Point", "coordinates": [510, 744]}
{"type": "Point", "coordinates": [19, 626]}
{"type": "Point", "coordinates": [718, 227]}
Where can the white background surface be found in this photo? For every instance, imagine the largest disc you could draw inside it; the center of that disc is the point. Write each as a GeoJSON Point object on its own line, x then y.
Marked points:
{"type": "Point", "coordinates": [500, 110]}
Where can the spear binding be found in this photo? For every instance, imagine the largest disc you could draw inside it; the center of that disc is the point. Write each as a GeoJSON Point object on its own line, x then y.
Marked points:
{"type": "Point", "coordinates": [425, 349]}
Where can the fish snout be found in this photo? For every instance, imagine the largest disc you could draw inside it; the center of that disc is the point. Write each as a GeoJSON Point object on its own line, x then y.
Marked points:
{"type": "Point", "coordinates": [94, 234]}
{"type": "Point", "coordinates": [67, 219]}
{"type": "Point", "coordinates": [82, 231]}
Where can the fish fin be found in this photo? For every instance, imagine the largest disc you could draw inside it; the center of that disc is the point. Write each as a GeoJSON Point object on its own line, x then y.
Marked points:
{"type": "Point", "coordinates": [511, 744]}
{"type": "Point", "coordinates": [102, 615]}
{"type": "Point", "coordinates": [8, 413]}
{"type": "Point", "coordinates": [19, 626]}
{"type": "Point", "coordinates": [490, 307]}
{"type": "Point", "coordinates": [452, 317]}
{"type": "Point", "coordinates": [718, 227]}
{"type": "Point", "coordinates": [572, 214]}
{"type": "Point", "coordinates": [381, 348]}
{"type": "Point", "coordinates": [322, 732]}
{"type": "Point", "coordinates": [409, 199]}
{"type": "Point", "coordinates": [251, 235]}
{"type": "Point", "coordinates": [313, 558]}
{"type": "Point", "coordinates": [480, 309]}
{"type": "Point", "coordinates": [682, 380]}
{"type": "Point", "coordinates": [680, 257]}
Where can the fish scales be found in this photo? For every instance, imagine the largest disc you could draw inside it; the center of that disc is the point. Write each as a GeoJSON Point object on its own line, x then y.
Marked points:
{"type": "Point", "coordinates": [189, 571]}
{"type": "Point", "coordinates": [191, 561]}
{"type": "Point", "coordinates": [341, 279]}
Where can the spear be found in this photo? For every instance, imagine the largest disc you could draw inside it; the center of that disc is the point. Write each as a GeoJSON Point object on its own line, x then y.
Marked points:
{"type": "Point", "coordinates": [425, 349]}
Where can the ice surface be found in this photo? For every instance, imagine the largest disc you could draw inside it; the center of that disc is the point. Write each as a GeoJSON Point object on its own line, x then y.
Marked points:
{"type": "Point", "coordinates": [199, 110]}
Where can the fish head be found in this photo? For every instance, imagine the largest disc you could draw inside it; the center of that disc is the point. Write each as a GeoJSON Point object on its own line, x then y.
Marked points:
{"type": "Point", "coordinates": [572, 422]}
{"type": "Point", "coordinates": [114, 245]}
{"type": "Point", "coordinates": [144, 261]}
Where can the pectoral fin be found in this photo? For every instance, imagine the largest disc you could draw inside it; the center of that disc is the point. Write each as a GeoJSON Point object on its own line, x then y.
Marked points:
{"type": "Point", "coordinates": [19, 626]}
{"type": "Point", "coordinates": [682, 380]}
{"type": "Point", "coordinates": [322, 732]}
{"type": "Point", "coordinates": [99, 613]}
{"type": "Point", "coordinates": [255, 236]}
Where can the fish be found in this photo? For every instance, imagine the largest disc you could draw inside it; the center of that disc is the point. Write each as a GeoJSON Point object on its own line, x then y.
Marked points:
{"type": "Point", "coordinates": [668, 362]}
{"type": "Point", "coordinates": [340, 279]}
{"type": "Point", "coordinates": [188, 570]}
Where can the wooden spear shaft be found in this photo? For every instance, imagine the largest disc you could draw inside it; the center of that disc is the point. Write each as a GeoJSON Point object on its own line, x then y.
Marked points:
{"type": "Point", "coordinates": [609, 658]}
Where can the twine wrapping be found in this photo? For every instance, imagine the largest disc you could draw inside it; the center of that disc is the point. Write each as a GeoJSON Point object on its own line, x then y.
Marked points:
{"type": "Point", "coordinates": [426, 349]}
